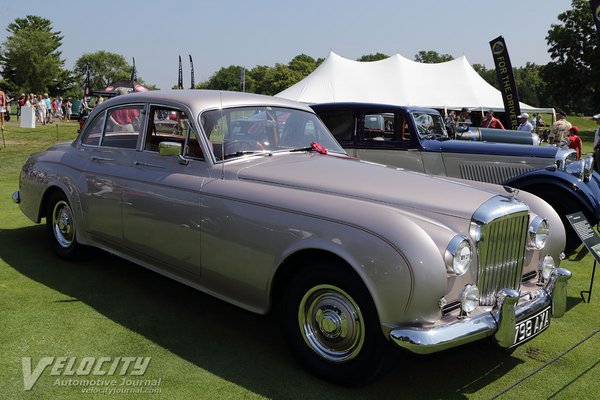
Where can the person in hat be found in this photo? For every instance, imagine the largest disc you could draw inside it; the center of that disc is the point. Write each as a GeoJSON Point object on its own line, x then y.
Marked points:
{"type": "Point", "coordinates": [597, 144]}
{"type": "Point", "coordinates": [575, 141]}
{"type": "Point", "coordinates": [524, 124]}
{"type": "Point", "coordinates": [560, 129]}
{"type": "Point", "coordinates": [489, 121]}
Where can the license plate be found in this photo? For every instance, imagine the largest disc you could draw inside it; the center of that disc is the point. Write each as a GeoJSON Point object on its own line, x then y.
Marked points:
{"type": "Point", "coordinates": [530, 327]}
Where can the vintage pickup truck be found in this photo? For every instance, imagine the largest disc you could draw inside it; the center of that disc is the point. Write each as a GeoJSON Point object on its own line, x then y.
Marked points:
{"type": "Point", "coordinates": [416, 139]}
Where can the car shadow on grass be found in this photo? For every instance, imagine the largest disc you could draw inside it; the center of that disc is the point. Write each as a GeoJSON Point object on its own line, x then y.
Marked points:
{"type": "Point", "coordinates": [238, 346]}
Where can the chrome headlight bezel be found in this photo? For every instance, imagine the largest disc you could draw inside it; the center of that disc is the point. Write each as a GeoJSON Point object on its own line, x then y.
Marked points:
{"type": "Point", "coordinates": [539, 231]}
{"type": "Point", "coordinates": [458, 256]}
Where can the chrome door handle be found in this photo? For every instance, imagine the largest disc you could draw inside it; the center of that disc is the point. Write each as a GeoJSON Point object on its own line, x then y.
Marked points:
{"type": "Point", "coordinates": [94, 158]}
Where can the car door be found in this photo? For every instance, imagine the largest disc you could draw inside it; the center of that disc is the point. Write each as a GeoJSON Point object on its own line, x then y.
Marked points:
{"type": "Point", "coordinates": [161, 194]}
{"type": "Point", "coordinates": [108, 149]}
{"type": "Point", "coordinates": [385, 137]}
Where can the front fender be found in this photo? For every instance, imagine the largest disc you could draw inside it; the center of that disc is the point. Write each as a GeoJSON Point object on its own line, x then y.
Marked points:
{"type": "Point", "coordinates": [560, 182]}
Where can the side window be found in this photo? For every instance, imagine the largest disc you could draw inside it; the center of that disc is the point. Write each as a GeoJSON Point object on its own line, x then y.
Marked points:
{"type": "Point", "coordinates": [123, 127]}
{"type": "Point", "coordinates": [340, 124]}
{"type": "Point", "coordinates": [384, 129]}
{"type": "Point", "coordinates": [91, 137]}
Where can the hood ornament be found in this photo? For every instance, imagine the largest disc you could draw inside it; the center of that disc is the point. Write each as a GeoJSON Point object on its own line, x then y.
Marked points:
{"type": "Point", "coordinates": [512, 192]}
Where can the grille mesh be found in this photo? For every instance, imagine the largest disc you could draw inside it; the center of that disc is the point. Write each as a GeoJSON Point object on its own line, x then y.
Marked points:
{"type": "Point", "coordinates": [491, 173]}
{"type": "Point", "coordinates": [501, 255]}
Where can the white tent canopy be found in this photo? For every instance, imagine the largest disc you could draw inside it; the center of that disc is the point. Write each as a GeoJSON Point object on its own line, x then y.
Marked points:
{"type": "Point", "coordinates": [399, 81]}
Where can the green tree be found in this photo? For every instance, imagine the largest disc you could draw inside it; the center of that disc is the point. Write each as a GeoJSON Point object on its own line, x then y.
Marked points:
{"type": "Point", "coordinates": [30, 58]}
{"type": "Point", "coordinates": [432, 57]}
{"type": "Point", "coordinates": [373, 57]}
{"type": "Point", "coordinates": [575, 66]}
{"type": "Point", "coordinates": [104, 68]}
{"type": "Point", "coordinates": [227, 78]}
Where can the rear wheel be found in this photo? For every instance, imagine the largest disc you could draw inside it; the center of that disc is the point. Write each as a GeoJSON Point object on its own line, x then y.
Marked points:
{"type": "Point", "coordinates": [332, 326]}
{"type": "Point", "coordinates": [61, 227]}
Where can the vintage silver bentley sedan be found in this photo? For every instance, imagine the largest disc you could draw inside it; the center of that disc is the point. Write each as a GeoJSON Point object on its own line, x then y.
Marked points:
{"type": "Point", "coordinates": [250, 199]}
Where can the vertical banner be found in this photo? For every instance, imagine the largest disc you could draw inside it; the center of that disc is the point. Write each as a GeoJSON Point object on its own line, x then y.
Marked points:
{"type": "Point", "coordinates": [243, 78]}
{"type": "Point", "coordinates": [506, 81]}
{"type": "Point", "coordinates": [87, 86]}
{"type": "Point", "coordinates": [595, 5]}
{"type": "Point", "coordinates": [192, 72]}
{"type": "Point", "coordinates": [180, 77]}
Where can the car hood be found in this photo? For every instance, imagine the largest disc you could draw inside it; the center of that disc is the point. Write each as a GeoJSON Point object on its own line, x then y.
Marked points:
{"type": "Point", "coordinates": [371, 182]}
{"type": "Point", "coordinates": [468, 147]}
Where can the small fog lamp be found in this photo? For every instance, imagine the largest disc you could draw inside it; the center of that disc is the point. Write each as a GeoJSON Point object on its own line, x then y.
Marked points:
{"type": "Point", "coordinates": [547, 265]}
{"type": "Point", "coordinates": [469, 298]}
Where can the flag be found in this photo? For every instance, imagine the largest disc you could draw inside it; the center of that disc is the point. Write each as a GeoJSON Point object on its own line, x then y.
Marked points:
{"type": "Point", "coordinates": [192, 72]}
{"type": "Point", "coordinates": [133, 75]}
{"type": "Point", "coordinates": [180, 78]}
{"type": "Point", "coordinates": [87, 86]}
{"type": "Point", "coordinates": [506, 81]}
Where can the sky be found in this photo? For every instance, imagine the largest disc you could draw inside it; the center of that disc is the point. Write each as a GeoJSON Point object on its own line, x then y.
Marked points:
{"type": "Point", "coordinates": [248, 33]}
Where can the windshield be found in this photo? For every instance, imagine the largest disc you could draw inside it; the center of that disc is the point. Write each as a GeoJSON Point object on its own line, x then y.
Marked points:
{"type": "Point", "coordinates": [429, 125]}
{"type": "Point", "coordinates": [240, 131]}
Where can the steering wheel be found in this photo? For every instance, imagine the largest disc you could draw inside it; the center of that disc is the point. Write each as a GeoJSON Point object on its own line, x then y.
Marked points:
{"type": "Point", "coordinates": [235, 146]}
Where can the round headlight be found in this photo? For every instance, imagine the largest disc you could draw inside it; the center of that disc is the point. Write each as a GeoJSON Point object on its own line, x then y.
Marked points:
{"type": "Point", "coordinates": [458, 255]}
{"type": "Point", "coordinates": [538, 232]}
{"type": "Point", "coordinates": [469, 298]}
{"type": "Point", "coordinates": [547, 265]}
{"type": "Point", "coordinates": [576, 168]}
{"type": "Point", "coordinates": [588, 168]}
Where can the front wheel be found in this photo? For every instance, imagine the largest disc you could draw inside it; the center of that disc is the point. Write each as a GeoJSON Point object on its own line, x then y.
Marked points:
{"type": "Point", "coordinates": [61, 227]}
{"type": "Point", "coordinates": [332, 326]}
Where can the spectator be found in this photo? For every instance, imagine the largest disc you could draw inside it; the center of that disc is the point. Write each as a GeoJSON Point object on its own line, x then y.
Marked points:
{"type": "Point", "coordinates": [560, 129]}
{"type": "Point", "coordinates": [20, 103]}
{"type": "Point", "coordinates": [575, 141]}
{"type": "Point", "coordinates": [48, 108]}
{"type": "Point", "coordinates": [68, 109]}
{"type": "Point", "coordinates": [464, 118]}
{"type": "Point", "coordinates": [524, 124]}
{"type": "Point", "coordinates": [41, 109]}
{"type": "Point", "coordinates": [597, 144]}
{"type": "Point", "coordinates": [490, 121]}
{"type": "Point", "coordinates": [3, 108]}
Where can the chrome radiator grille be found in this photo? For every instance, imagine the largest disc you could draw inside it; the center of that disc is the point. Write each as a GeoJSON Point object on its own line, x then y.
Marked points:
{"type": "Point", "coordinates": [501, 250]}
{"type": "Point", "coordinates": [491, 173]}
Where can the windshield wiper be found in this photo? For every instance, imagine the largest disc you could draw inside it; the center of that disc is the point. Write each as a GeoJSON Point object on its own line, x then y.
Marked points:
{"type": "Point", "coordinates": [239, 154]}
{"type": "Point", "coordinates": [314, 146]}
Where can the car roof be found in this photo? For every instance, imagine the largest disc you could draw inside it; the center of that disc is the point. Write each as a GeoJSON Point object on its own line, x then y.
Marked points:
{"type": "Point", "coordinates": [198, 99]}
{"type": "Point", "coordinates": [371, 106]}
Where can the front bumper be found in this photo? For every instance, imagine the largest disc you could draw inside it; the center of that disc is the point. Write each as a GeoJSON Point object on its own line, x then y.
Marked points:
{"type": "Point", "coordinates": [500, 322]}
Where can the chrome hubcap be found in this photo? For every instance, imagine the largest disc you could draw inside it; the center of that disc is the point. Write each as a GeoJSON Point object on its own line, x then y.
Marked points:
{"type": "Point", "coordinates": [331, 323]}
{"type": "Point", "coordinates": [62, 223]}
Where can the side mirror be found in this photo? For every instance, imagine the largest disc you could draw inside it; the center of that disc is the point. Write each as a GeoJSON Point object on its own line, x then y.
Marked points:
{"type": "Point", "coordinates": [169, 148]}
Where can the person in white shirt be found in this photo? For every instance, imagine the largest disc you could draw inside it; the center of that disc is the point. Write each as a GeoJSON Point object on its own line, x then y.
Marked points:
{"type": "Point", "coordinates": [524, 124]}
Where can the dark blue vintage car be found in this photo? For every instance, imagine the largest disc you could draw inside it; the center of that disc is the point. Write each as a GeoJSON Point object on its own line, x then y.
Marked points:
{"type": "Point", "coordinates": [416, 139]}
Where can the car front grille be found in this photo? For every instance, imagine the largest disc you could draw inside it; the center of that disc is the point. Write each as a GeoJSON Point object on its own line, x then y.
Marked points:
{"type": "Point", "coordinates": [496, 173]}
{"type": "Point", "coordinates": [502, 225]}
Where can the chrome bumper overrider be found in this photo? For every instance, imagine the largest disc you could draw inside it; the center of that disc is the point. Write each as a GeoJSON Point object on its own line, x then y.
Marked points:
{"type": "Point", "coordinates": [16, 196]}
{"type": "Point", "coordinates": [501, 322]}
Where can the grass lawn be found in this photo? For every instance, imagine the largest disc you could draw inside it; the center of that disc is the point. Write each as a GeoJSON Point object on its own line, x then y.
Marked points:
{"type": "Point", "coordinates": [202, 348]}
